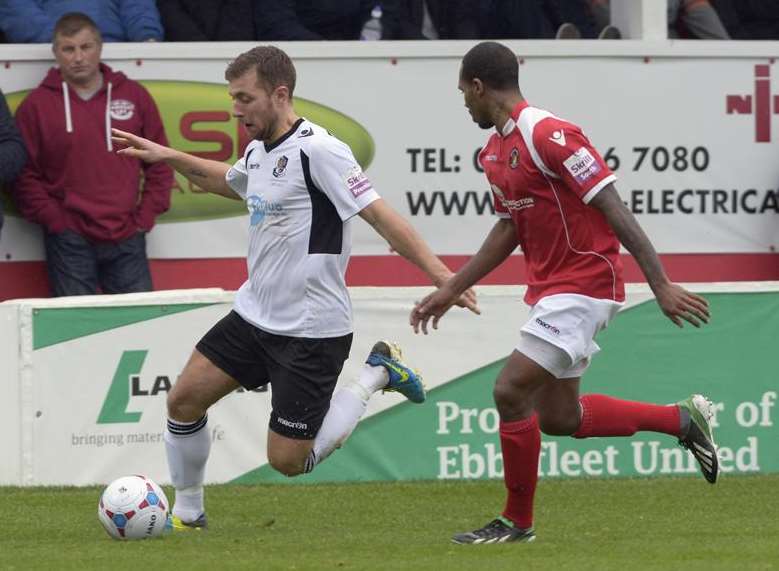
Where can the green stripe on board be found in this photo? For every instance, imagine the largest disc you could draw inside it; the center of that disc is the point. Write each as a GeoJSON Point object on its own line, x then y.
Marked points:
{"type": "Point", "coordinates": [56, 325]}
{"type": "Point", "coordinates": [645, 357]}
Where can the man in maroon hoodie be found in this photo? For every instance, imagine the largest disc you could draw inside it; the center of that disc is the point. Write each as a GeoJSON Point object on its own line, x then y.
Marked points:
{"type": "Point", "coordinates": [87, 198]}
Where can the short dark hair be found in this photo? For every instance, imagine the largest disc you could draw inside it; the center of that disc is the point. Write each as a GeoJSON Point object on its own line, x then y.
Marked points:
{"type": "Point", "coordinates": [493, 63]}
{"type": "Point", "coordinates": [273, 67]}
{"type": "Point", "coordinates": [72, 23]}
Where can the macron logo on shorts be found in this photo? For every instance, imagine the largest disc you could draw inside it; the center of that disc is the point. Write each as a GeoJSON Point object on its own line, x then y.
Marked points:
{"type": "Point", "coordinates": [291, 424]}
{"type": "Point", "coordinates": [582, 165]}
{"type": "Point", "coordinates": [548, 326]}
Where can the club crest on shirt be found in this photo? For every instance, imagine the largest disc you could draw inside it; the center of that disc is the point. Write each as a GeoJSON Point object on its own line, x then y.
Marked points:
{"type": "Point", "coordinates": [281, 166]}
{"type": "Point", "coordinates": [514, 158]}
{"type": "Point", "coordinates": [122, 109]}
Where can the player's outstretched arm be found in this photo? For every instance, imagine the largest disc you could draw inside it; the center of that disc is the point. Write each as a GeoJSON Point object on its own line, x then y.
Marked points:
{"type": "Point", "coordinates": [208, 175]}
{"type": "Point", "coordinates": [407, 242]}
{"type": "Point", "coordinates": [499, 244]}
{"type": "Point", "coordinates": [676, 302]}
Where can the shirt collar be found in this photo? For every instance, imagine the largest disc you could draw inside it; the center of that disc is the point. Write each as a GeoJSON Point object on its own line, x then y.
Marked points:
{"type": "Point", "coordinates": [511, 124]}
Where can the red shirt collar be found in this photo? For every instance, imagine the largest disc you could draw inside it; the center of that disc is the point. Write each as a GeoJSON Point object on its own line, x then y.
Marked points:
{"type": "Point", "coordinates": [511, 124]}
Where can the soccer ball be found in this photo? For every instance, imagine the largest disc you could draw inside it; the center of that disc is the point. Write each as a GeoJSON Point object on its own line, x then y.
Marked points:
{"type": "Point", "coordinates": [133, 507]}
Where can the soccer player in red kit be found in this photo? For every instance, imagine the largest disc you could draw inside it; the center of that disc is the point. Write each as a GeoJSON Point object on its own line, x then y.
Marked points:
{"type": "Point", "coordinates": [555, 198]}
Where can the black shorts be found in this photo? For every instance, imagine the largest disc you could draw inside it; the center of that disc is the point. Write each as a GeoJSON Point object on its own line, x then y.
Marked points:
{"type": "Point", "coordinates": [302, 371]}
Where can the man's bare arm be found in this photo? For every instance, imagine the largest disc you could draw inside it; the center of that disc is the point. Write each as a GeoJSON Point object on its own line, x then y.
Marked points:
{"type": "Point", "coordinates": [631, 235]}
{"type": "Point", "coordinates": [208, 175]}
{"type": "Point", "coordinates": [674, 301]}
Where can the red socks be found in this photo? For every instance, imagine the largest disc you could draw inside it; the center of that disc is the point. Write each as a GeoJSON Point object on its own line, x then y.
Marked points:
{"type": "Point", "coordinates": [520, 441]}
{"type": "Point", "coordinates": [607, 416]}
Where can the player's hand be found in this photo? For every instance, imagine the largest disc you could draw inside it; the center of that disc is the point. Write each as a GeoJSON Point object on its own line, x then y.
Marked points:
{"type": "Point", "coordinates": [139, 148]}
{"type": "Point", "coordinates": [434, 306]}
{"type": "Point", "coordinates": [468, 301]}
{"type": "Point", "coordinates": [679, 304]}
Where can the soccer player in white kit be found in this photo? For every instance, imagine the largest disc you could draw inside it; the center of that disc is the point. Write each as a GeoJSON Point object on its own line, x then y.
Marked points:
{"type": "Point", "coordinates": [554, 197]}
{"type": "Point", "coordinates": [292, 320]}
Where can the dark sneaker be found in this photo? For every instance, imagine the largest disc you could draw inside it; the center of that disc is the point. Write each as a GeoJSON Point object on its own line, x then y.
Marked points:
{"type": "Point", "coordinates": [610, 33]}
{"type": "Point", "coordinates": [402, 378]}
{"type": "Point", "coordinates": [499, 530]}
{"type": "Point", "coordinates": [568, 31]}
{"type": "Point", "coordinates": [175, 523]}
{"type": "Point", "coordinates": [699, 438]}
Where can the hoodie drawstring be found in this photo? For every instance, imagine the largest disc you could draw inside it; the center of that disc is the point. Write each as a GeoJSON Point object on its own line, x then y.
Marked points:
{"type": "Point", "coordinates": [108, 120]}
{"type": "Point", "coordinates": [68, 118]}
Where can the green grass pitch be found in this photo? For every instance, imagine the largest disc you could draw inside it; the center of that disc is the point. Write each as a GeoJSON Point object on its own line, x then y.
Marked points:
{"type": "Point", "coordinates": [627, 525]}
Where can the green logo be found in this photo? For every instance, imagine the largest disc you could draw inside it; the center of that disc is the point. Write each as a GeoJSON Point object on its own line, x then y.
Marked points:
{"type": "Point", "coordinates": [126, 384]}
{"type": "Point", "coordinates": [115, 405]}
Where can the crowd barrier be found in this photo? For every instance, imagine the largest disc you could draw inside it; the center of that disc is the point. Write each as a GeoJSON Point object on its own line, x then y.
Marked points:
{"type": "Point", "coordinates": [84, 381]}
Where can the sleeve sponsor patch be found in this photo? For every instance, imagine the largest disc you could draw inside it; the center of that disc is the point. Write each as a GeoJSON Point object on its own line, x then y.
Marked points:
{"type": "Point", "coordinates": [357, 182]}
{"type": "Point", "coordinates": [582, 165]}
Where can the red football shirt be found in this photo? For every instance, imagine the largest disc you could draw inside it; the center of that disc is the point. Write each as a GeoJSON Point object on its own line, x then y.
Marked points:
{"type": "Point", "coordinates": [543, 173]}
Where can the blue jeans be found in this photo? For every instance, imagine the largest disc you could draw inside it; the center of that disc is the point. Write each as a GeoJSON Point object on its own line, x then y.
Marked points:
{"type": "Point", "coordinates": [77, 266]}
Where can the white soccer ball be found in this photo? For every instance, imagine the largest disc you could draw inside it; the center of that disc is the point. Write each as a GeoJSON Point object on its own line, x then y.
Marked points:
{"type": "Point", "coordinates": [133, 507]}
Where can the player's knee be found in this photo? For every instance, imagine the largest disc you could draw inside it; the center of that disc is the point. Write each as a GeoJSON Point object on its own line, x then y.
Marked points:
{"type": "Point", "coordinates": [511, 400]}
{"type": "Point", "coordinates": [558, 425]}
{"type": "Point", "coordinates": [290, 467]}
{"type": "Point", "coordinates": [182, 407]}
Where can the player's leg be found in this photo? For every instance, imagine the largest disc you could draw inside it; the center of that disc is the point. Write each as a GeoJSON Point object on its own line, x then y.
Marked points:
{"type": "Point", "coordinates": [384, 370]}
{"type": "Point", "coordinates": [226, 356]}
{"type": "Point", "coordinates": [687, 420]}
{"type": "Point", "coordinates": [187, 441]}
{"type": "Point", "coordinates": [516, 390]}
{"type": "Point", "coordinates": [574, 321]}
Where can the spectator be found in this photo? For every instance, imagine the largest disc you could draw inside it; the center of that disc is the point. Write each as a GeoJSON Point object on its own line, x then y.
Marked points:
{"type": "Point", "coordinates": [12, 153]}
{"type": "Point", "coordinates": [517, 20]}
{"type": "Point", "coordinates": [435, 19]}
{"type": "Point", "coordinates": [217, 21]}
{"type": "Point", "coordinates": [537, 19]}
{"type": "Point", "coordinates": [749, 19]}
{"type": "Point", "coordinates": [694, 19]}
{"type": "Point", "coordinates": [687, 18]}
{"type": "Point", "coordinates": [280, 20]}
{"type": "Point", "coordinates": [86, 197]}
{"type": "Point", "coordinates": [571, 14]}
{"type": "Point", "coordinates": [32, 21]}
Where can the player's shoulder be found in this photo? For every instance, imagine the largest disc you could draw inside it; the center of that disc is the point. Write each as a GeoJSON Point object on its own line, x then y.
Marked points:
{"type": "Point", "coordinates": [313, 137]}
{"type": "Point", "coordinates": [251, 147]}
{"type": "Point", "coordinates": [547, 129]}
{"type": "Point", "coordinates": [543, 122]}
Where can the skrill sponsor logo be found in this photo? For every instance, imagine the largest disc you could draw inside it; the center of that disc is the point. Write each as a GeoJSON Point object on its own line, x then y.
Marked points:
{"type": "Point", "coordinates": [582, 165]}
{"type": "Point", "coordinates": [357, 182]}
{"type": "Point", "coordinates": [548, 326]}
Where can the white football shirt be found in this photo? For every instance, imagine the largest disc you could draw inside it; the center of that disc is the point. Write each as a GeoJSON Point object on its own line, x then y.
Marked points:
{"type": "Point", "coordinates": [301, 192]}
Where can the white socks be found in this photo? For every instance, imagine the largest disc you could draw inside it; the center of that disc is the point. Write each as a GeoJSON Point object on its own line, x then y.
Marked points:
{"type": "Point", "coordinates": [187, 445]}
{"type": "Point", "coordinates": [346, 407]}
